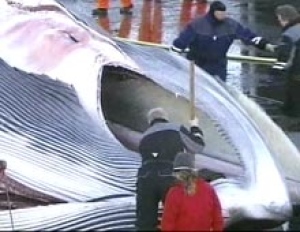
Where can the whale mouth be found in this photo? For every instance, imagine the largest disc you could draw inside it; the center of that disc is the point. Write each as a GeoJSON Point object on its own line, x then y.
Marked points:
{"type": "Point", "coordinates": [123, 97]}
{"type": "Point", "coordinates": [127, 96]}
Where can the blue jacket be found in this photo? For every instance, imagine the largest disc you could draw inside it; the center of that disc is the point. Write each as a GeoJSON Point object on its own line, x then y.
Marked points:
{"type": "Point", "coordinates": [208, 41]}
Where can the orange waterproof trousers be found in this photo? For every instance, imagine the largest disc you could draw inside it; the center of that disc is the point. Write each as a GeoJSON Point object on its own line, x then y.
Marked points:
{"type": "Point", "coordinates": [104, 4]}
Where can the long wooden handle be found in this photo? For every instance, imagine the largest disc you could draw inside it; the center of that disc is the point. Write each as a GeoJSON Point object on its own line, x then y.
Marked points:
{"type": "Point", "coordinates": [232, 57]}
{"type": "Point", "coordinates": [192, 89]}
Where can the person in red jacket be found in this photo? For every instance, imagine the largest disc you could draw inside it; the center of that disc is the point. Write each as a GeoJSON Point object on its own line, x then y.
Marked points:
{"type": "Point", "coordinates": [192, 204]}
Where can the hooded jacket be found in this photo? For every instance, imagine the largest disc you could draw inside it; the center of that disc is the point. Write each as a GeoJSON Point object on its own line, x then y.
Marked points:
{"type": "Point", "coordinates": [199, 212]}
{"type": "Point", "coordinates": [209, 39]}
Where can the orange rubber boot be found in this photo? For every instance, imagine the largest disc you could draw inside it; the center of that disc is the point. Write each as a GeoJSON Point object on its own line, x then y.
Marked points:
{"type": "Point", "coordinates": [103, 4]}
{"type": "Point", "coordinates": [125, 3]}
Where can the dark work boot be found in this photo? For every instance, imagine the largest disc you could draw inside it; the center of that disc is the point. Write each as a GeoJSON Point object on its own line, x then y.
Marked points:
{"type": "Point", "coordinates": [126, 10]}
{"type": "Point", "coordinates": [99, 12]}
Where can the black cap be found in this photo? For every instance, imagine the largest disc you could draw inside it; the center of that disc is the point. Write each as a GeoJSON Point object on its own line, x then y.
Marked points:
{"type": "Point", "coordinates": [217, 6]}
{"type": "Point", "coordinates": [184, 161]}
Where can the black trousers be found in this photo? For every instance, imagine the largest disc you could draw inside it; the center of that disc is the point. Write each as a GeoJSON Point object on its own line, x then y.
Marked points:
{"type": "Point", "coordinates": [152, 187]}
{"type": "Point", "coordinates": [291, 105]}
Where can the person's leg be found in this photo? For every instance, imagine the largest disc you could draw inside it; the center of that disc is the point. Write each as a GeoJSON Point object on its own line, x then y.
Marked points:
{"type": "Point", "coordinates": [165, 185]}
{"type": "Point", "coordinates": [127, 6]}
{"type": "Point", "coordinates": [223, 75]}
{"type": "Point", "coordinates": [289, 104]}
{"type": "Point", "coordinates": [103, 21]}
{"type": "Point", "coordinates": [126, 3]}
{"type": "Point", "coordinates": [214, 69]}
{"type": "Point", "coordinates": [295, 95]}
{"type": "Point", "coordinates": [102, 6]}
{"type": "Point", "coordinates": [146, 205]}
{"type": "Point", "coordinates": [220, 69]}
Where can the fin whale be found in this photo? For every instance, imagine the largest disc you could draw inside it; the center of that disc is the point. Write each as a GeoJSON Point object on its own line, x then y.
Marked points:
{"type": "Point", "coordinates": [73, 105]}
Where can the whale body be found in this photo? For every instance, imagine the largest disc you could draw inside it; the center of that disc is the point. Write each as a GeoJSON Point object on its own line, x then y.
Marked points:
{"type": "Point", "coordinates": [73, 108]}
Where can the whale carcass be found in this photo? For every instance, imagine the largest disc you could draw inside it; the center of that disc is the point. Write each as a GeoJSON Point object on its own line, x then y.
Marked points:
{"type": "Point", "coordinates": [73, 106]}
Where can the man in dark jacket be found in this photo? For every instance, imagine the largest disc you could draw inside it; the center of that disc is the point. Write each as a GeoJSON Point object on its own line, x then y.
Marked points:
{"type": "Point", "coordinates": [159, 145]}
{"type": "Point", "coordinates": [288, 55]}
{"type": "Point", "coordinates": [208, 39]}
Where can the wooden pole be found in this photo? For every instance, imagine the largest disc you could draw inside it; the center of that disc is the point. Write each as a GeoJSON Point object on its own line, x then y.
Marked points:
{"type": "Point", "coordinates": [237, 58]}
{"type": "Point", "coordinates": [192, 89]}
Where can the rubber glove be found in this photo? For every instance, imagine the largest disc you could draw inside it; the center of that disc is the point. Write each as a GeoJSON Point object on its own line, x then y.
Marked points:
{"type": "Point", "coordinates": [270, 47]}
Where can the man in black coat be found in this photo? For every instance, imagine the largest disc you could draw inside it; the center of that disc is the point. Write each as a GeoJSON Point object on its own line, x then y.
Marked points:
{"type": "Point", "coordinates": [288, 55]}
{"type": "Point", "coordinates": [159, 145]}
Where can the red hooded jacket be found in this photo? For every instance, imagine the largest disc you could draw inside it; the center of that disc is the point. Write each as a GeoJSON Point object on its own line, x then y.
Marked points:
{"type": "Point", "coordinates": [199, 212]}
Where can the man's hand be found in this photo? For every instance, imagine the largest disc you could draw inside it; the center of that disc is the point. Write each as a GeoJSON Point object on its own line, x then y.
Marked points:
{"type": "Point", "coordinates": [194, 122]}
{"type": "Point", "coordinates": [175, 49]}
{"type": "Point", "coordinates": [256, 40]}
{"type": "Point", "coordinates": [178, 50]}
{"type": "Point", "coordinates": [280, 66]}
{"type": "Point", "coordinates": [271, 47]}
